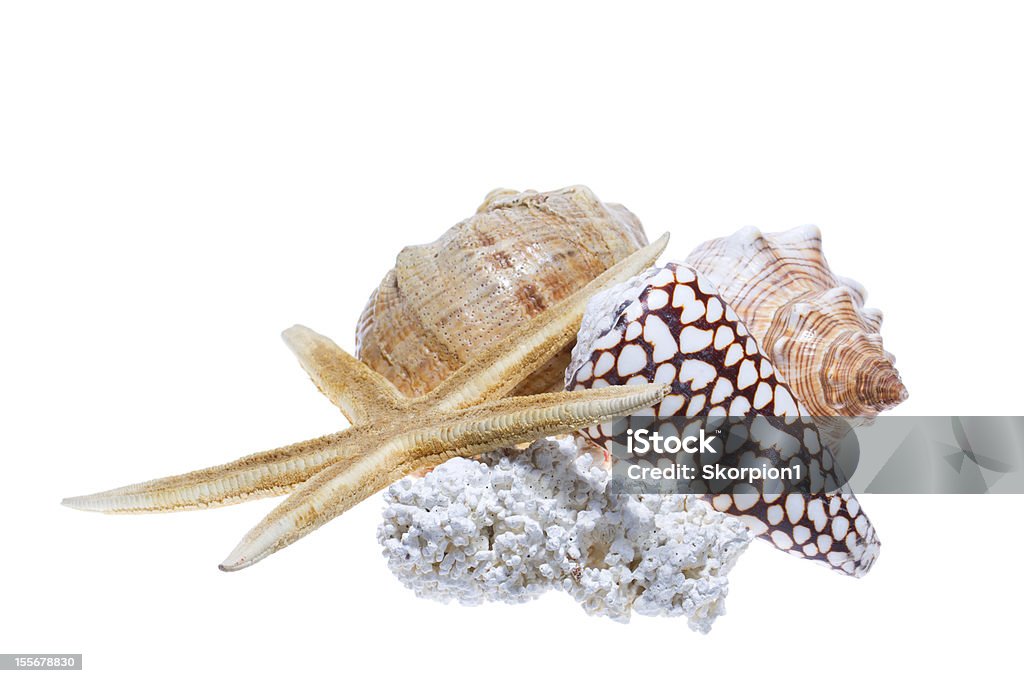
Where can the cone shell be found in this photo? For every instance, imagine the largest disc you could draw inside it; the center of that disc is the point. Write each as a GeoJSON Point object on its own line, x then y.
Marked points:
{"type": "Point", "coordinates": [669, 326]}
{"type": "Point", "coordinates": [810, 322]}
{"type": "Point", "coordinates": [449, 300]}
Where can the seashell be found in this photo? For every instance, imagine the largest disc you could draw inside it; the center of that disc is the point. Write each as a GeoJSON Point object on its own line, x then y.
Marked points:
{"type": "Point", "coordinates": [670, 326]}
{"type": "Point", "coordinates": [521, 253]}
{"type": "Point", "coordinates": [810, 322]}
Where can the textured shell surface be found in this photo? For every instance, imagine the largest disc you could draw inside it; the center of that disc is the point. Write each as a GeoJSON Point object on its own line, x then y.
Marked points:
{"type": "Point", "coordinates": [521, 253]}
{"type": "Point", "coordinates": [811, 322]}
{"type": "Point", "coordinates": [670, 326]}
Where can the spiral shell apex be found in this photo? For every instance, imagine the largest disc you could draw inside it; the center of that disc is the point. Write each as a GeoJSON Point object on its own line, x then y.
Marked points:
{"type": "Point", "coordinates": [811, 322]}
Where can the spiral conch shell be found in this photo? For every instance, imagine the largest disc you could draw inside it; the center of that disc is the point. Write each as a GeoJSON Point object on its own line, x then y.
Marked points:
{"type": "Point", "coordinates": [810, 322]}
{"type": "Point", "coordinates": [449, 300]}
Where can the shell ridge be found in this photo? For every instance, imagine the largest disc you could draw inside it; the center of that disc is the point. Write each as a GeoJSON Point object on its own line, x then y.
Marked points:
{"type": "Point", "coordinates": [782, 287]}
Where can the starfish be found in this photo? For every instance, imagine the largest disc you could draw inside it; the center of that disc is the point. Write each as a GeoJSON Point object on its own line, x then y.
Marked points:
{"type": "Point", "coordinates": [391, 435]}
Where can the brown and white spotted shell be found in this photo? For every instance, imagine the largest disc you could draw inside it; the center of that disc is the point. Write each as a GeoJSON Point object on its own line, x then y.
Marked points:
{"type": "Point", "coordinates": [670, 326]}
{"type": "Point", "coordinates": [449, 300]}
{"type": "Point", "coordinates": [810, 322]}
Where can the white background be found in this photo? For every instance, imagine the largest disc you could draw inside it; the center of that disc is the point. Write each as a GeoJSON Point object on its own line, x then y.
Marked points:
{"type": "Point", "coordinates": [181, 181]}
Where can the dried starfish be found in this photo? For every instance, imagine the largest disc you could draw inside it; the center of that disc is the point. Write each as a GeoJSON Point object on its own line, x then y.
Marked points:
{"type": "Point", "coordinates": [391, 435]}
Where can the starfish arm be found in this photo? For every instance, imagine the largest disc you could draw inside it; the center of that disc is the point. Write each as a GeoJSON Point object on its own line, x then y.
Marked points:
{"type": "Point", "coordinates": [497, 371]}
{"type": "Point", "coordinates": [471, 431]}
{"type": "Point", "coordinates": [270, 473]}
{"type": "Point", "coordinates": [358, 391]}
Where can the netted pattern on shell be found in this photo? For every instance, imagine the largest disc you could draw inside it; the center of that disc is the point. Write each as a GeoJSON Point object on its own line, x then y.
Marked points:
{"type": "Point", "coordinates": [669, 326]}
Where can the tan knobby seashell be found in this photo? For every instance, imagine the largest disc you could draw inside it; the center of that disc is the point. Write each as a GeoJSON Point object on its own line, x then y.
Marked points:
{"type": "Point", "coordinates": [810, 322]}
{"type": "Point", "coordinates": [521, 253]}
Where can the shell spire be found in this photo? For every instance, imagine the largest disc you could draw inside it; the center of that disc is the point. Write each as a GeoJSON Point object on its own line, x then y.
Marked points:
{"type": "Point", "coordinates": [811, 322]}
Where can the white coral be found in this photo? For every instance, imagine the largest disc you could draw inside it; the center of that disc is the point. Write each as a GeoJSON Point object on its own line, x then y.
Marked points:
{"type": "Point", "coordinates": [515, 523]}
